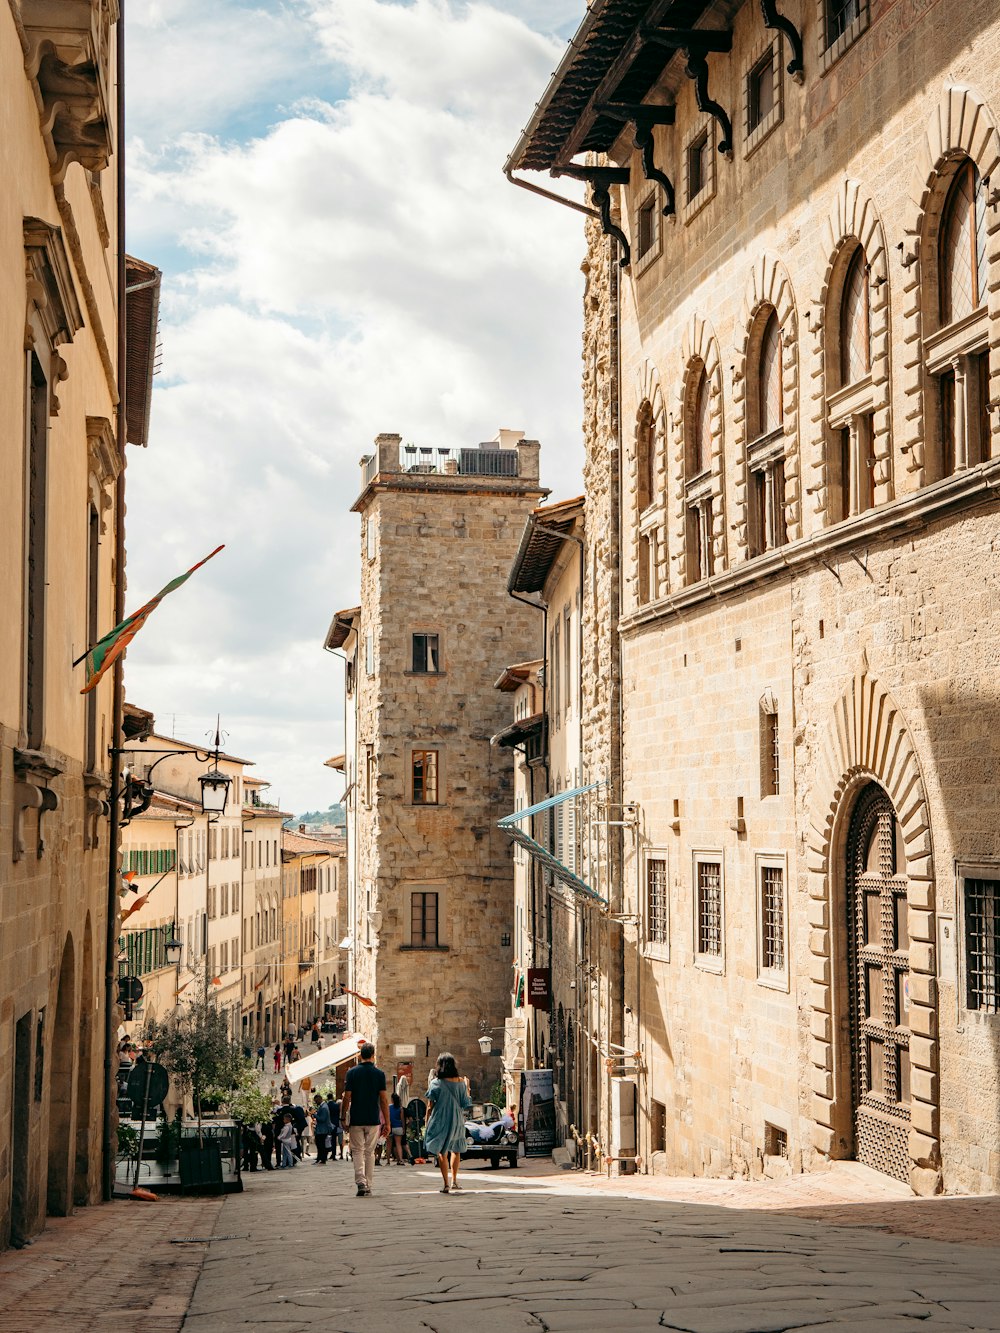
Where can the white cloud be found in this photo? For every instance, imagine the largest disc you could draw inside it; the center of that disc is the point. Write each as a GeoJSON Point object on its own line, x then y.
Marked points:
{"type": "Point", "coordinates": [360, 266]}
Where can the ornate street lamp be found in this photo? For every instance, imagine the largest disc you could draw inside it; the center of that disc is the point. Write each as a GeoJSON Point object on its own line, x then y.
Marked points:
{"type": "Point", "coordinates": [214, 791]}
{"type": "Point", "coordinates": [172, 949]}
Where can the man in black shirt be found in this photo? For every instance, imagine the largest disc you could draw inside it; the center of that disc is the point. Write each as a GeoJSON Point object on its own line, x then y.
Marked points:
{"type": "Point", "coordinates": [365, 1106]}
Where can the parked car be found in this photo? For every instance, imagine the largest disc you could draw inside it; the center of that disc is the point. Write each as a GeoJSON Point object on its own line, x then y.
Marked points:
{"type": "Point", "coordinates": [487, 1138]}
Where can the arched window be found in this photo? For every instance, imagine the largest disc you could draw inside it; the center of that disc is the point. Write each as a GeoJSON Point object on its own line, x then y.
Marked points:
{"type": "Point", "coordinates": [645, 458]}
{"type": "Point", "coordinates": [770, 412]}
{"type": "Point", "coordinates": [851, 402]}
{"type": "Point", "coordinates": [698, 496]}
{"type": "Point", "coordinates": [962, 264]}
{"type": "Point", "coordinates": [765, 451]}
{"type": "Point", "coordinates": [855, 322]}
{"type": "Point", "coordinates": [958, 355]}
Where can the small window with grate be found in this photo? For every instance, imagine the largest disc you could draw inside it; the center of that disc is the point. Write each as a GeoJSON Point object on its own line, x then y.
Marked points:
{"type": "Point", "coordinates": [763, 92]}
{"type": "Point", "coordinates": [708, 912]}
{"type": "Point", "coordinates": [657, 1127]}
{"type": "Point", "coordinates": [844, 20]}
{"type": "Point", "coordinates": [771, 948]}
{"type": "Point", "coordinates": [698, 166]}
{"type": "Point", "coordinates": [424, 921]}
{"type": "Point", "coordinates": [982, 945]}
{"type": "Point", "coordinates": [656, 900]}
{"type": "Point", "coordinates": [775, 1141]}
{"type": "Point", "coordinates": [770, 753]}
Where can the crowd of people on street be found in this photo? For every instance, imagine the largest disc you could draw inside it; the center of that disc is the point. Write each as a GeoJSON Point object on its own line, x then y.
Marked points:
{"type": "Point", "coordinates": [367, 1121]}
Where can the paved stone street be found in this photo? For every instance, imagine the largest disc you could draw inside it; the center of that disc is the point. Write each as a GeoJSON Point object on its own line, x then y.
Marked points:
{"type": "Point", "coordinates": [537, 1248]}
{"type": "Point", "coordinates": [520, 1250]}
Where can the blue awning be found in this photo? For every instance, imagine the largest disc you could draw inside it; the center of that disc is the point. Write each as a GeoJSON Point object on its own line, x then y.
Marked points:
{"type": "Point", "coordinates": [570, 878]}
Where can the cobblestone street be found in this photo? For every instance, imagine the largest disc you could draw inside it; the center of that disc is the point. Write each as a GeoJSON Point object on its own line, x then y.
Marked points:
{"type": "Point", "coordinates": [532, 1249]}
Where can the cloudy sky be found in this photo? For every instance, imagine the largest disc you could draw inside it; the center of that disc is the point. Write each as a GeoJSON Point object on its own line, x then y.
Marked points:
{"type": "Point", "coordinates": [320, 182]}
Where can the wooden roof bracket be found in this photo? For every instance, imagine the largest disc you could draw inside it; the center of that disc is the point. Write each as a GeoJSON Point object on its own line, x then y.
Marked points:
{"type": "Point", "coordinates": [600, 180]}
{"type": "Point", "coordinates": [696, 43]}
{"type": "Point", "coordinates": [772, 19]}
{"type": "Point", "coordinates": [645, 119]}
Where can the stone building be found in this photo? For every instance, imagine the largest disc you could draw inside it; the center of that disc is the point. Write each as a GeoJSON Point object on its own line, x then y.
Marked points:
{"type": "Point", "coordinates": [262, 917]}
{"type": "Point", "coordinates": [65, 416]}
{"type": "Point", "coordinates": [791, 380]}
{"type": "Point", "coordinates": [430, 877]}
{"type": "Point", "coordinates": [310, 868]}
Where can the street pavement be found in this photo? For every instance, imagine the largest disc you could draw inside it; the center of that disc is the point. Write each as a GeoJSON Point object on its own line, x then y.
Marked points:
{"type": "Point", "coordinates": [541, 1249]}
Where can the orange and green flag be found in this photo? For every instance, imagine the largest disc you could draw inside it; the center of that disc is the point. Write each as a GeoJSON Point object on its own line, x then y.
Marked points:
{"type": "Point", "coordinates": [106, 651]}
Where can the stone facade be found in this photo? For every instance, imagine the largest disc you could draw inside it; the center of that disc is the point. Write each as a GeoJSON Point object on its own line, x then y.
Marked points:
{"type": "Point", "coordinates": [808, 477]}
{"type": "Point", "coordinates": [60, 459]}
{"type": "Point", "coordinates": [430, 873]}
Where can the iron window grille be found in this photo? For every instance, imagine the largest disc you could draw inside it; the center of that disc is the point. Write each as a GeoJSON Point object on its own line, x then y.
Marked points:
{"type": "Point", "coordinates": [982, 945]}
{"type": "Point", "coordinates": [656, 900]}
{"type": "Point", "coordinates": [709, 908]}
{"type": "Point", "coordinates": [772, 917]}
{"type": "Point", "coordinates": [840, 16]}
{"type": "Point", "coordinates": [770, 754]}
{"type": "Point", "coordinates": [761, 99]}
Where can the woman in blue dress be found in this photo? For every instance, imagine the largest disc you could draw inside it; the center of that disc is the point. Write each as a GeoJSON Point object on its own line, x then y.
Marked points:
{"type": "Point", "coordinates": [448, 1100]}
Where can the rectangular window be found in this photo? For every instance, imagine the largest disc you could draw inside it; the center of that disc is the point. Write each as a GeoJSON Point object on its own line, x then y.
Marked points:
{"type": "Point", "coordinates": [224, 900]}
{"type": "Point", "coordinates": [424, 920]}
{"type": "Point", "coordinates": [36, 581]}
{"type": "Point", "coordinates": [370, 776]}
{"type": "Point", "coordinates": [424, 769]}
{"type": "Point", "coordinates": [370, 652]}
{"type": "Point", "coordinates": [772, 918]}
{"type": "Point", "coordinates": [840, 16]}
{"type": "Point", "coordinates": [700, 552]}
{"type": "Point", "coordinates": [646, 227]}
{"type": "Point", "coordinates": [425, 654]}
{"type": "Point", "coordinates": [708, 936]}
{"type": "Point", "coordinates": [982, 945]}
{"type": "Point", "coordinates": [760, 91]}
{"type": "Point", "coordinates": [567, 660]}
{"type": "Point", "coordinates": [656, 899]}
{"type": "Point", "coordinates": [657, 1127]}
{"type": "Point", "coordinates": [979, 408]}
{"type": "Point", "coordinates": [93, 615]}
{"type": "Point", "coordinates": [697, 166]}
{"type": "Point", "coordinates": [556, 672]}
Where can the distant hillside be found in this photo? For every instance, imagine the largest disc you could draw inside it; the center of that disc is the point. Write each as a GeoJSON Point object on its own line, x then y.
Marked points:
{"type": "Point", "coordinates": [334, 815]}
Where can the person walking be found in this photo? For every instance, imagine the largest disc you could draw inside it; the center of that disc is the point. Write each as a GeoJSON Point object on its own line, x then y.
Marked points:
{"type": "Point", "coordinates": [259, 1062]}
{"type": "Point", "coordinates": [365, 1107]}
{"type": "Point", "coordinates": [337, 1132]}
{"type": "Point", "coordinates": [396, 1136]}
{"type": "Point", "coordinates": [277, 1059]}
{"type": "Point", "coordinates": [447, 1100]}
{"type": "Point", "coordinates": [266, 1143]}
{"type": "Point", "coordinates": [322, 1128]}
{"type": "Point", "coordinates": [286, 1137]}
{"type": "Point", "coordinates": [315, 1034]}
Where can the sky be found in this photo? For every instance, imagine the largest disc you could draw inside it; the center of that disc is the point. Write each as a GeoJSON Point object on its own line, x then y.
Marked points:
{"type": "Point", "coordinates": [321, 183]}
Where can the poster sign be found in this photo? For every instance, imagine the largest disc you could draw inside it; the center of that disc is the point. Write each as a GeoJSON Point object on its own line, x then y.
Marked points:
{"type": "Point", "coordinates": [404, 1050]}
{"type": "Point", "coordinates": [538, 1112]}
{"type": "Point", "coordinates": [539, 990]}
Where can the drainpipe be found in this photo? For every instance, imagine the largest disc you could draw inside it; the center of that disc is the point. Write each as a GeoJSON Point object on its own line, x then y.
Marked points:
{"type": "Point", "coordinates": [108, 1127]}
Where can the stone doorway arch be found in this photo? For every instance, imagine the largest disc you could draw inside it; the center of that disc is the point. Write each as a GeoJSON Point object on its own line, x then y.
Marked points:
{"type": "Point", "coordinates": [62, 1146]}
{"type": "Point", "coordinates": [866, 747]}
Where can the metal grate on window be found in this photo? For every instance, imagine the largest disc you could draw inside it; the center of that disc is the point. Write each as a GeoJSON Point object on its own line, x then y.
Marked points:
{"type": "Point", "coordinates": [775, 1141]}
{"type": "Point", "coordinates": [982, 944]}
{"type": "Point", "coordinates": [656, 900]}
{"type": "Point", "coordinates": [840, 14]}
{"type": "Point", "coordinates": [710, 908]}
{"type": "Point", "coordinates": [772, 914]}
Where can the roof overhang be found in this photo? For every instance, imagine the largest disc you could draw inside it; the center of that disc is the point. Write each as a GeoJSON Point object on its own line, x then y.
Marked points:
{"type": "Point", "coordinates": [545, 532]}
{"type": "Point", "coordinates": [142, 314]}
{"type": "Point", "coordinates": [520, 731]}
{"type": "Point", "coordinates": [341, 626]}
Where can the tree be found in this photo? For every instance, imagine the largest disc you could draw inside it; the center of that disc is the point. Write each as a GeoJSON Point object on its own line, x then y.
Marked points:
{"type": "Point", "coordinates": [195, 1046]}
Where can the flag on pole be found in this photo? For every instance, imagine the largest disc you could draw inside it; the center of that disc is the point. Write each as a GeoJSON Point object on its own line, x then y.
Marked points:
{"type": "Point", "coordinates": [361, 999]}
{"type": "Point", "coordinates": [106, 651]}
{"type": "Point", "coordinates": [182, 988]}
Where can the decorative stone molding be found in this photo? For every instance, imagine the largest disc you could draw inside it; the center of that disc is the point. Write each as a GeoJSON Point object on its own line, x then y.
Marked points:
{"type": "Point", "coordinates": [67, 57]}
{"type": "Point", "coordinates": [699, 348]}
{"type": "Point", "coordinates": [50, 282]}
{"type": "Point", "coordinates": [769, 288]}
{"type": "Point", "coordinates": [866, 740]}
{"type": "Point", "coordinates": [961, 126]}
{"type": "Point", "coordinates": [104, 465]}
{"type": "Point", "coordinates": [97, 806]}
{"type": "Point", "coordinates": [853, 221]}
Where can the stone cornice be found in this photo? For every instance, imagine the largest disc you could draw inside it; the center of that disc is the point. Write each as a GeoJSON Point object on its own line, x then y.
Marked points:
{"type": "Point", "coordinates": [441, 484]}
{"type": "Point", "coordinates": [909, 514]}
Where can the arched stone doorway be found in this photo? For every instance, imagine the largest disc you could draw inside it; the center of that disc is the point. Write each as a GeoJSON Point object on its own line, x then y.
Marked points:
{"type": "Point", "coordinates": [62, 1145]}
{"type": "Point", "coordinates": [85, 1137]}
{"type": "Point", "coordinates": [871, 840]}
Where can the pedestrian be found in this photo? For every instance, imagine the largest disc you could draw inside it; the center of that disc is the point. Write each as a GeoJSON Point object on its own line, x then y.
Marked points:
{"type": "Point", "coordinates": [307, 1130]}
{"type": "Point", "coordinates": [288, 1048]}
{"type": "Point", "coordinates": [277, 1059]}
{"type": "Point", "coordinates": [266, 1143]}
{"type": "Point", "coordinates": [322, 1128]}
{"type": "Point", "coordinates": [315, 1034]}
{"type": "Point", "coordinates": [286, 1137]}
{"type": "Point", "coordinates": [447, 1100]}
{"type": "Point", "coordinates": [259, 1062]}
{"type": "Point", "coordinates": [337, 1133]}
{"type": "Point", "coordinates": [364, 1108]}
{"type": "Point", "coordinates": [306, 1086]}
{"type": "Point", "coordinates": [396, 1139]}
{"type": "Point", "coordinates": [251, 1147]}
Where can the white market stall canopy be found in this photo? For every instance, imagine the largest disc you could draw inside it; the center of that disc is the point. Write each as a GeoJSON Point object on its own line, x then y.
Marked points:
{"type": "Point", "coordinates": [337, 1054]}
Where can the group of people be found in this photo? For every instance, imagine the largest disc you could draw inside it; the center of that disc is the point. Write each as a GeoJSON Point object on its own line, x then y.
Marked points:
{"type": "Point", "coordinates": [371, 1118]}
{"type": "Point", "coordinates": [287, 1051]}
